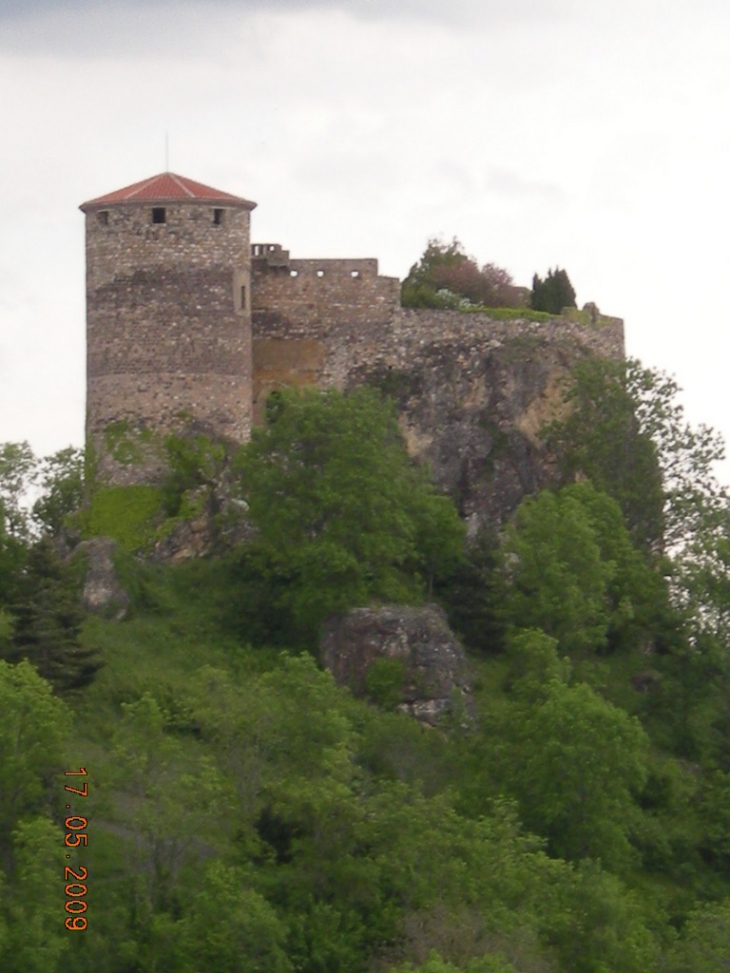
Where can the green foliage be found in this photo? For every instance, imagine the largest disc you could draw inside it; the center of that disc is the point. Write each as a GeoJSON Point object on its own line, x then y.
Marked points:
{"type": "Point", "coordinates": [509, 313]}
{"type": "Point", "coordinates": [626, 432]}
{"type": "Point", "coordinates": [170, 794]}
{"type": "Point", "coordinates": [18, 470]}
{"type": "Point", "coordinates": [705, 943]}
{"type": "Point", "coordinates": [472, 594]}
{"type": "Point", "coordinates": [126, 443]}
{"type": "Point", "coordinates": [62, 479]}
{"type": "Point", "coordinates": [6, 629]}
{"type": "Point", "coordinates": [33, 727]}
{"type": "Point", "coordinates": [13, 553]}
{"type": "Point", "coordinates": [47, 618]}
{"type": "Point", "coordinates": [446, 277]}
{"type": "Point", "coordinates": [535, 666]}
{"type": "Point", "coordinates": [246, 814]}
{"type": "Point", "coordinates": [558, 578]}
{"type": "Point", "coordinates": [251, 819]}
{"type": "Point", "coordinates": [127, 514]}
{"type": "Point", "coordinates": [435, 964]}
{"type": "Point", "coordinates": [384, 682]}
{"type": "Point", "coordinates": [552, 294]}
{"type": "Point", "coordinates": [36, 941]}
{"type": "Point", "coordinates": [343, 516]}
{"type": "Point", "coordinates": [575, 574]}
{"type": "Point", "coordinates": [193, 461]}
{"type": "Point", "coordinates": [580, 762]}
{"type": "Point", "coordinates": [232, 927]}
{"type": "Point", "coordinates": [601, 438]}
{"type": "Point", "coordinates": [599, 925]}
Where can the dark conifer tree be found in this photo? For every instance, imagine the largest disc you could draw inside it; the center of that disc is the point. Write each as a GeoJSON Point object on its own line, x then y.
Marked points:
{"type": "Point", "coordinates": [552, 294]}
{"type": "Point", "coordinates": [47, 621]}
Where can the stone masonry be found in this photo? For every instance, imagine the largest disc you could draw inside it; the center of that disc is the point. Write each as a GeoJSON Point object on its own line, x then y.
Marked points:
{"type": "Point", "coordinates": [168, 274]}
{"type": "Point", "coordinates": [187, 322]}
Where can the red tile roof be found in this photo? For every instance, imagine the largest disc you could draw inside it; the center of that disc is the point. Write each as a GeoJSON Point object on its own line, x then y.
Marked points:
{"type": "Point", "coordinates": [167, 187]}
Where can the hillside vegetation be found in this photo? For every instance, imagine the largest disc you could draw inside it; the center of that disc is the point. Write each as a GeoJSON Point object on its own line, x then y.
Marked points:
{"type": "Point", "coordinates": [245, 815]}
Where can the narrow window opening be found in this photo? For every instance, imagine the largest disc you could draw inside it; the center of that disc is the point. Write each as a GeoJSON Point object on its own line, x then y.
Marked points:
{"type": "Point", "coordinates": [159, 215]}
{"type": "Point", "coordinates": [320, 273]}
{"type": "Point", "coordinates": [354, 273]}
{"type": "Point", "coordinates": [243, 297]}
{"type": "Point", "coordinates": [294, 273]}
{"type": "Point", "coordinates": [218, 217]}
{"type": "Point", "coordinates": [103, 217]}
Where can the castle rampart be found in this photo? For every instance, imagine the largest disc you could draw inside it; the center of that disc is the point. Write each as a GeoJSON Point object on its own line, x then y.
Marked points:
{"type": "Point", "coordinates": [186, 320]}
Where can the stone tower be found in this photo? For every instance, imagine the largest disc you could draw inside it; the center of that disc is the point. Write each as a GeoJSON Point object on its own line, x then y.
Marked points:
{"type": "Point", "coordinates": [168, 298]}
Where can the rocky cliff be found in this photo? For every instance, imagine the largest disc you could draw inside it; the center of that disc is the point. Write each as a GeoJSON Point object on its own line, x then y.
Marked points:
{"type": "Point", "coordinates": [472, 399]}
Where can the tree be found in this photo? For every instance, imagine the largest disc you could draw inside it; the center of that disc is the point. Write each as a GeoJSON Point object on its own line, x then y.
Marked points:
{"type": "Point", "coordinates": [18, 471]}
{"type": "Point", "coordinates": [174, 802]}
{"type": "Point", "coordinates": [37, 941]}
{"type": "Point", "coordinates": [231, 927]}
{"type": "Point", "coordinates": [446, 276]}
{"type": "Point", "coordinates": [62, 481]}
{"type": "Point", "coordinates": [597, 925]}
{"type": "Point", "coordinates": [573, 571]}
{"type": "Point", "coordinates": [47, 621]}
{"type": "Point", "coordinates": [485, 964]}
{"type": "Point", "coordinates": [552, 294]}
{"type": "Point", "coordinates": [33, 728]}
{"type": "Point", "coordinates": [193, 461]}
{"type": "Point", "coordinates": [705, 943]}
{"type": "Point", "coordinates": [473, 594]}
{"type": "Point", "coordinates": [343, 515]}
{"type": "Point", "coordinates": [558, 578]}
{"type": "Point", "coordinates": [625, 431]}
{"type": "Point", "coordinates": [579, 762]}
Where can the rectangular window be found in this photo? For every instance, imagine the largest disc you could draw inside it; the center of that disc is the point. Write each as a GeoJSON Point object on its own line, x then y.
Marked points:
{"type": "Point", "coordinates": [159, 215]}
{"type": "Point", "coordinates": [243, 297]}
{"type": "Point", "coordinates": [103, 217]}
{"type": "Point", "coordinates": [218, 217]}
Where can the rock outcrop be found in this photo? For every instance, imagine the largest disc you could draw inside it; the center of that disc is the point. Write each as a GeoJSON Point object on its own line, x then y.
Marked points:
{"type": "Point", "coordinates": [471, 405]}
{"type": "Point", "coordinates": [434, 674]}
{"type": "Point", "coordinates": [472, 393]}
{"type": "Point", "coordinates": [103, 593]}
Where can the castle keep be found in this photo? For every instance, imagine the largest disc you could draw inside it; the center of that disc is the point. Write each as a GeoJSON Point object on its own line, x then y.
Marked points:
{"type": "Point", "coordinates": [190, 323]}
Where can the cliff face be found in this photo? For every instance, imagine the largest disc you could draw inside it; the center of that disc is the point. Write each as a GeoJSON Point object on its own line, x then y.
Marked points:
{"type": "Point", "coordinates": [471, 392]}
{"type": "Point", "coordinates": [471, 409]}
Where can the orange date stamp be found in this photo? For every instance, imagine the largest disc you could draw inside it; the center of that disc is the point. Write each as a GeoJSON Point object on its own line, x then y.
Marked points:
{"type": "Point", "coordinates": [76, 837]}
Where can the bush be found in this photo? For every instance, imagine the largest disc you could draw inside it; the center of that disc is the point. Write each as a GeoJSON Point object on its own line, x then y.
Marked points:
{"type": "Point", "coordinates": [552, 294]}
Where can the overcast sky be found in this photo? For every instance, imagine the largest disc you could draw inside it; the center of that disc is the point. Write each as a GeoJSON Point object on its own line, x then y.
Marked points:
{"type": "Point", "coordinates": [590, 135]}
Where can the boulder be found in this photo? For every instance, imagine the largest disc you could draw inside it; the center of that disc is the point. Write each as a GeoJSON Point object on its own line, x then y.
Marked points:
{"type": "Point", "coordinates": [434, 676]}
{"type": "Point", "coordinates": [103, 593]}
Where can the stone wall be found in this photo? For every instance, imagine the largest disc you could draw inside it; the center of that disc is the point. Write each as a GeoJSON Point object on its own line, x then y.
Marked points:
{"type": "Point", "coordinates": [307, 311]}
{"type": "Point", "coordinates": [187, 321]}
{"type": "Point", "coordinates": [471, 392]}
{"type": "Point", "coordinates": [168, 323]}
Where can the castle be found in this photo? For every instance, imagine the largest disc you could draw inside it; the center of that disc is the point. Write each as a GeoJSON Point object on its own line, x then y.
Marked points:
{"type": "Point", "coordinates": [188, 322]}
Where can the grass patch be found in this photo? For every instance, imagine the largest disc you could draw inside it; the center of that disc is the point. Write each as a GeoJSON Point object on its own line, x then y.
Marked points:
{"type": "Point", "coordinates": [127, 514]}
{"type": "Point", "coordinates": [179, 622]}
{"type": "Point", "coordinates": [511, 313]}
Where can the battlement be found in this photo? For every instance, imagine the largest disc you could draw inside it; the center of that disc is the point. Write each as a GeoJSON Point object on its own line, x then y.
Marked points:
{"type": "Point", "coordinates": [269, 256]}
